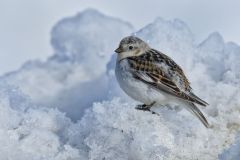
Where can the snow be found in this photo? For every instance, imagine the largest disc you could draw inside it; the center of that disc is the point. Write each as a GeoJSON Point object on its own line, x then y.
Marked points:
{"type": "Point", "coordinates": [232, 153]}
{"type": "Point", "coordinates": [83, 46]}
{"type": "Point", "coordinates": [70, 107]}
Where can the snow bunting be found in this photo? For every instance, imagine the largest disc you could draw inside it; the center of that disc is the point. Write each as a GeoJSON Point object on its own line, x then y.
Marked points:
{"type": "Point", "coordinates": [152, 77]}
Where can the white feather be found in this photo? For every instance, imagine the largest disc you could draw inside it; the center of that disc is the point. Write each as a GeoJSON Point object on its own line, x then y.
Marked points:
{"type": "Point", "coordinates": [137, 89]}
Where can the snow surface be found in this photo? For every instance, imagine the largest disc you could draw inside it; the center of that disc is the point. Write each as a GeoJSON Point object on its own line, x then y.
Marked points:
{"type": "Point", "coordinates": [70, 107]}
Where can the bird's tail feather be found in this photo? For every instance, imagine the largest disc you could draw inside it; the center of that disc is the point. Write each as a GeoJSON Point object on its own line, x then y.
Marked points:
{"type": "Point", "coordinates": [198, 100]}
{"type": "Point", "coordinates": [193, 109]}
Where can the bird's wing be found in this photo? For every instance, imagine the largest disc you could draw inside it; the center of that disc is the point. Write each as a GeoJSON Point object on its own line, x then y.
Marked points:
{"type": "Point", "coordinates": [162, 73]}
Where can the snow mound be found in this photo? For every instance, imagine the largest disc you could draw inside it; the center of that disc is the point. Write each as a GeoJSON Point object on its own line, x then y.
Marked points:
{"type": "Point", "coordinates": [129, 134]}
{"type": "Point", "coordinates": [88, 38]}
{"type": "Point", "coordinates": [83, 46]}
{"type": "Point", "coordinates": [30, 132]}
{"type": "Point", "coordinates": [47, 109]}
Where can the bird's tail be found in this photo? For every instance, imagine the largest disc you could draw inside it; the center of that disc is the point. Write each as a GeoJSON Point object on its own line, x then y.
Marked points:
{"type": "Point", "coordinates": [194, 110]}
{"type": "Point", "coordinates": [198, 100]}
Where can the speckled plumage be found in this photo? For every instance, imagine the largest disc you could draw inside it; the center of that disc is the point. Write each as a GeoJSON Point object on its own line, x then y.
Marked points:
{"type": "Point", "coordinates": [150, 76]}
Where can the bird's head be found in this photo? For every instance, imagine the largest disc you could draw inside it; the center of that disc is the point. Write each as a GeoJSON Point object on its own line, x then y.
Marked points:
{"type": "Point", "coordinates": [131, 46]}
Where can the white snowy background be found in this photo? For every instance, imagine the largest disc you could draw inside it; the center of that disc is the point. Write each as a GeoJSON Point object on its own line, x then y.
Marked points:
{"type": "Point", "coordinates": [69, 107]}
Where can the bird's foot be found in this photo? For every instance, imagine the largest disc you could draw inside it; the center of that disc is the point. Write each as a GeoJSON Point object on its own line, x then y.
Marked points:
{"type": "Point", "coordinates": [145, 107]}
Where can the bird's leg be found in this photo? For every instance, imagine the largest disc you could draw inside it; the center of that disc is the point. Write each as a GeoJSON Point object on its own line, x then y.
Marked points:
{"type": "Point", "coordinates": [142, 107]}
{"type": "Point", "coordinates": [145, 107]}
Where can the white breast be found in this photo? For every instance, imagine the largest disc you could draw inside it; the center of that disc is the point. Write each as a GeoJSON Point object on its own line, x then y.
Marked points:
{"type": "Point", "coordinates": [135, 88]}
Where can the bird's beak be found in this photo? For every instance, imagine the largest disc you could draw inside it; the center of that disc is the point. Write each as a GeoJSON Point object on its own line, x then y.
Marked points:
{"type": "Point", "coordinates": [118, 50]}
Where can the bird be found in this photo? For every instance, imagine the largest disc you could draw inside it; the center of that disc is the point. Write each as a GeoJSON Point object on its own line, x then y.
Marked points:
{"type": "Point", "coordinates": [153, 78]}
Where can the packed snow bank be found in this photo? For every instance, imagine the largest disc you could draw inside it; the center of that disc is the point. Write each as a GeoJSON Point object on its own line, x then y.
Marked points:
{"type": "Point", "coordinates": [81, 72]}
{"type": "Point", "coordinates": [89, 38]}
{"type": "Point", "coordinates": [212, 67]}
{"type": "Point", "coordinates": [31, 132]}
{"type": "Point", "coordinates": [75, 76]}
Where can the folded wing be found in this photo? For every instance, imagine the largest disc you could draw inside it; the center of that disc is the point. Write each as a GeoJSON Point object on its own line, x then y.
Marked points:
{"type": "Point", "coordinates": [162, 73]}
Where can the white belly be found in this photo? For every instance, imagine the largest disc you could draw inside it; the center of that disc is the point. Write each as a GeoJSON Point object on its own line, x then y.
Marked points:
{"type": "Point", "coordinates": [137, 89]}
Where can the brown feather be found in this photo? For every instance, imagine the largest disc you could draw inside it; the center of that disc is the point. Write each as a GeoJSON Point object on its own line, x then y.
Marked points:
{"type": "Point", "coordinates": [149, 64]}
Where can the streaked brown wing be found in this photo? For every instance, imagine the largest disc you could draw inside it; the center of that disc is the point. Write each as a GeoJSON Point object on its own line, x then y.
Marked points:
{"type": "Point", "coordinates": [147, 71]}
{"type": "Point", "coordinates": [158, 57]}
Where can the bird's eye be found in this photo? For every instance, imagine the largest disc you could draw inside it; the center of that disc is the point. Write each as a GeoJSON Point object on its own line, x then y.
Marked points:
{"type": "Point", "coordinates": [130, 47]}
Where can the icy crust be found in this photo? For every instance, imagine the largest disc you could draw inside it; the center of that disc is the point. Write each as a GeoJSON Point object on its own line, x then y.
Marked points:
{"type": "Point", "coordinates": [47, 112]}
